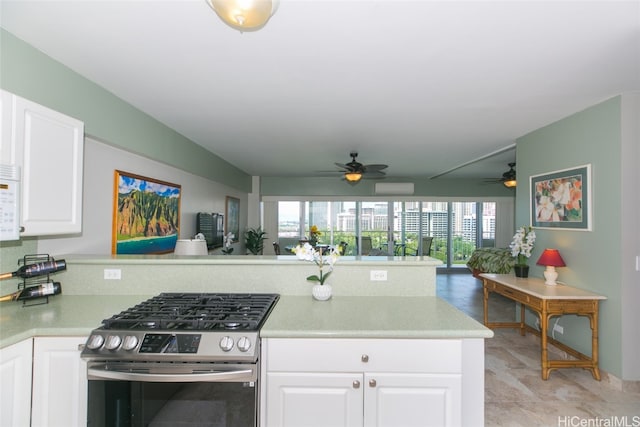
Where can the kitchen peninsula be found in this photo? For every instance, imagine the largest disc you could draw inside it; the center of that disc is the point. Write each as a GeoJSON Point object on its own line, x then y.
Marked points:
{"type": "Point", "coordinates": [372, 341]}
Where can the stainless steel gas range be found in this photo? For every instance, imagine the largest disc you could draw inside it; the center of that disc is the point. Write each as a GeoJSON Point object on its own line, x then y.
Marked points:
{"type": "Point", "coordinates": [178, 358]}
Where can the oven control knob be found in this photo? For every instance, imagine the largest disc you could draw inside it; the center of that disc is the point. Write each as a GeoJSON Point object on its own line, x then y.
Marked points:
{"type": "Point", "coordinates": [244, 344]}
{"type": "Point", "coordinates": [130, 342]}
{"type": "Point", "coordinates": [226, 343]}
{"type": "Point", "coordinates": [112, 342]}
{"type": "Point", "coordinates": [95, 342]}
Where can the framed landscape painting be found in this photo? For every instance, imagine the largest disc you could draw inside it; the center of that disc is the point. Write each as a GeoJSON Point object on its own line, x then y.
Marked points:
{"type": "Point", "coordinates": [146, 215]}
{"type": "Point", "coordinates": [562, 199]}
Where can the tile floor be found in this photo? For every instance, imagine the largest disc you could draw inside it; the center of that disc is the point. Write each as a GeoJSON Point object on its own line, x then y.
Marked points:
{"type": "Point", "coordinates": [515, 393]}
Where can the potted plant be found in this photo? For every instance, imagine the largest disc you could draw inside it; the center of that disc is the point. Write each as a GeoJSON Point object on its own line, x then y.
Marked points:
{"type": "Point", "coordinates": [521, 247]}
{"type": "Point", "coordinates": [254, 240]}
{"type": "Point", "coordinates": [321, 291]}
{"type": "Point", "coordinates": [228, 241]}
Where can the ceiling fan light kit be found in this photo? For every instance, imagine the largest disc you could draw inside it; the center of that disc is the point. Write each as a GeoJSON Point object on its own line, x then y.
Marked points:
{"type": "Point", "coordinates": [510, 183]}
{"type": "Point", "coordinates": [244, 15]}
{"type": "Point", "coordinates": [353, 176]}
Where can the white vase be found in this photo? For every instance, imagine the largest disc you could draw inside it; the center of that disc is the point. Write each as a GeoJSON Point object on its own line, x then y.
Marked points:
{"type": "Point", "coordinates": [321, 292]}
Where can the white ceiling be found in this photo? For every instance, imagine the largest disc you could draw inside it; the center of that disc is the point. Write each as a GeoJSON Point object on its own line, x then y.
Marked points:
{"type": "Point", "coordinates": [423, 86]}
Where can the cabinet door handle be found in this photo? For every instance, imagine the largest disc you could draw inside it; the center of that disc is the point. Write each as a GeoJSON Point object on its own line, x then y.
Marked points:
{"type": "Point", "coordinates": [356, 384]}
{"type": "Point", "coordinates": [372, 383]}
{"type": "Point", "coordinates": [364, 358]}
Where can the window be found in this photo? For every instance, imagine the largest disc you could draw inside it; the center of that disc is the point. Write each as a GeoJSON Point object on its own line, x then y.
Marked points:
{"type": "Point", "coordinates": [446, 230]}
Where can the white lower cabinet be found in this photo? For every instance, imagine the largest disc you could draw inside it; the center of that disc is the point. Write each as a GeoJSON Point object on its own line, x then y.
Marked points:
{"type": "Point", "coordinates": [373, 399]}
{"type": "Point", "coordinates": [59, 396]}
{"type": "Point", "coordinates": [366, 382]}
{"type": "Point", "coordinates": [15, 384]}
{"type": "Point", "coordinates": [322, 400]}
{"type": "Point", "coordinates": [412, 400]}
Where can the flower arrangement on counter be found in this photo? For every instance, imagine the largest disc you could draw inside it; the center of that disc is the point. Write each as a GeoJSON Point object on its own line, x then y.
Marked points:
{"type": "Point", "coordinates": [228, 240]}
{"type": "Point", "coordinates": [307, 252]}
{"type": "Point", "coordinates": [314, 234]}
{"type": "Point", "coordinates": [522, 244]}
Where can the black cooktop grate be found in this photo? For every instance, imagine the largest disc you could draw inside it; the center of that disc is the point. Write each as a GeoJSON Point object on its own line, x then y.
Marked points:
{"type": "Point", "coordinates": [196, 311]}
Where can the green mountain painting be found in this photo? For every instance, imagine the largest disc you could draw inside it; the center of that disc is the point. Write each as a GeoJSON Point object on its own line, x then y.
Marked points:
{"type": "Point", "coordinates": [147, 215]}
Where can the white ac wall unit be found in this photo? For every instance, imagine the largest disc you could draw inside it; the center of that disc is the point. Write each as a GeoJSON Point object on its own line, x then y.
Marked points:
{"type": "Point", "coordinates": [394, 188]}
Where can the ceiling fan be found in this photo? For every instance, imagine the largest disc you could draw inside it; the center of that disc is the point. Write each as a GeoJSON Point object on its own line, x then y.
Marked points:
{"type": "Point", "coordinates": [508, 178]}
{"type": "Point", "coordinates": [354, 171]}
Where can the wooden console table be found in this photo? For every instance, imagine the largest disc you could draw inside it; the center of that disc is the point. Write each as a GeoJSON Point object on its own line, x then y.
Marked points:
{"type": "Point", "coordinates": [547, 301]}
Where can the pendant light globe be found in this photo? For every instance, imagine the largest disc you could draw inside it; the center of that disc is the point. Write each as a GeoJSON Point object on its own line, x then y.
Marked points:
{"type": "Point", "coordinates": [244, 15]}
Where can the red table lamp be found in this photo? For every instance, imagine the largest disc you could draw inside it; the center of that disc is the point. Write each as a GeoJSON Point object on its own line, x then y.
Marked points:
{"type": "Point", "coordinates": [552, 259]}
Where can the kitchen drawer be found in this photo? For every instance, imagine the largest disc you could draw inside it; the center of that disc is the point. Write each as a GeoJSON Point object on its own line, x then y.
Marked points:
{"type": "Point", "coordinates": [357, 355]}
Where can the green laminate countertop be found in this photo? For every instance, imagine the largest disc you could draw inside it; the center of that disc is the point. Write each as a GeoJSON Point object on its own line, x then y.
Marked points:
{"type": "Point", "coordinates": [292, 317]}
{"type": "Point", "coordinates": [370, 317]}
{"type": "Point", "coordinates": [64, 315]}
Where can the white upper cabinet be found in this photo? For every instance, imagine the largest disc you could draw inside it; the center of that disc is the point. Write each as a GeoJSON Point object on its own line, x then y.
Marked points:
{"type": "Point", "coordinates": [48, 147]}
{"type": "Point", "coordinates": [7, 141]}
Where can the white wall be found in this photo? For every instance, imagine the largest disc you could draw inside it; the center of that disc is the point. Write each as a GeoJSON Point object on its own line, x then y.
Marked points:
{"type": "Point", "coordinates": [101, 160]}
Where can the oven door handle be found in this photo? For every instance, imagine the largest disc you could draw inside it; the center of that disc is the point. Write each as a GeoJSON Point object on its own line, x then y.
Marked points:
{"type": "Point", "coordinates": [228, 376]}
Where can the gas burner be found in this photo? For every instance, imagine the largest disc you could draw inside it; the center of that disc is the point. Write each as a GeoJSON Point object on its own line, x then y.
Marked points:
{"type": "Point", "coordinates": [232, 325]}
{"type": "Point", "coordinates": [195, 312]}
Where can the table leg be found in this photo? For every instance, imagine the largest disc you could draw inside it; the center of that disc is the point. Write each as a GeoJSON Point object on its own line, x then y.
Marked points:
{"type": "Point", "coordinates": [485, 304]}
{"type": "Point", "coordinates": [522, 319]}
{"type": "Point", "coordinates": [593, 320]}
{"type": "Point", "coordinates": [544, 356]}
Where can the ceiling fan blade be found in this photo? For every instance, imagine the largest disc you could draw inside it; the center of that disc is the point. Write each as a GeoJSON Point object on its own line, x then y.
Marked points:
{"type": "Point", "coordinates": [373, 173]}
{"type": "Point", "coordinates": [371, 168]}
{"type": "Point", "coordinates": [351, 166]}
{"type": "Point", "coordinates": [509, 175]}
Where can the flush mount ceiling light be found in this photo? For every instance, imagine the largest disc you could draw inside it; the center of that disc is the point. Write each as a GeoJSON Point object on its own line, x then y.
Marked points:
{"type": "Point", "coordinates": [244, 15]}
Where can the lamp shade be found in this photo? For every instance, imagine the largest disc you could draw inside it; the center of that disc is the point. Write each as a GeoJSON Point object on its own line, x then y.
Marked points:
{"type": "Point", "coordinates": [191, 247]}
{"type": "Point", "coordinates": [551, 257]}
{"type": "Point", "coordinates": [244, 15]}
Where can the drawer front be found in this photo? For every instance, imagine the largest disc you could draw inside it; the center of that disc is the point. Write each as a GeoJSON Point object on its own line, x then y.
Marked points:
{"type": "Point", "coordinates": [515, 295]}
{"type": "Point", "coordinates": [572, 306]}
{"type": "Point", "coordinates": [355, 355]}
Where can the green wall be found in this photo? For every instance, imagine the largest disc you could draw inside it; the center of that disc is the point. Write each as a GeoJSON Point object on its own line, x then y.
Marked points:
{"type": "Point", "coordinates": [335, 186]}
{"type": "Point", "coordinates": [592, 136]}
{"type": "Point", "coordinates": [31, 74]}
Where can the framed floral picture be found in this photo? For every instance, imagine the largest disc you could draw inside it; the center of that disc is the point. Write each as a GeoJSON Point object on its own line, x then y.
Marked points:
{"type": "Point", "coordinates": [232, 224]}
{"type": "Point", "coordinates": [562, 199]}
{"type": "Point", "coordinates": [146, 215]}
